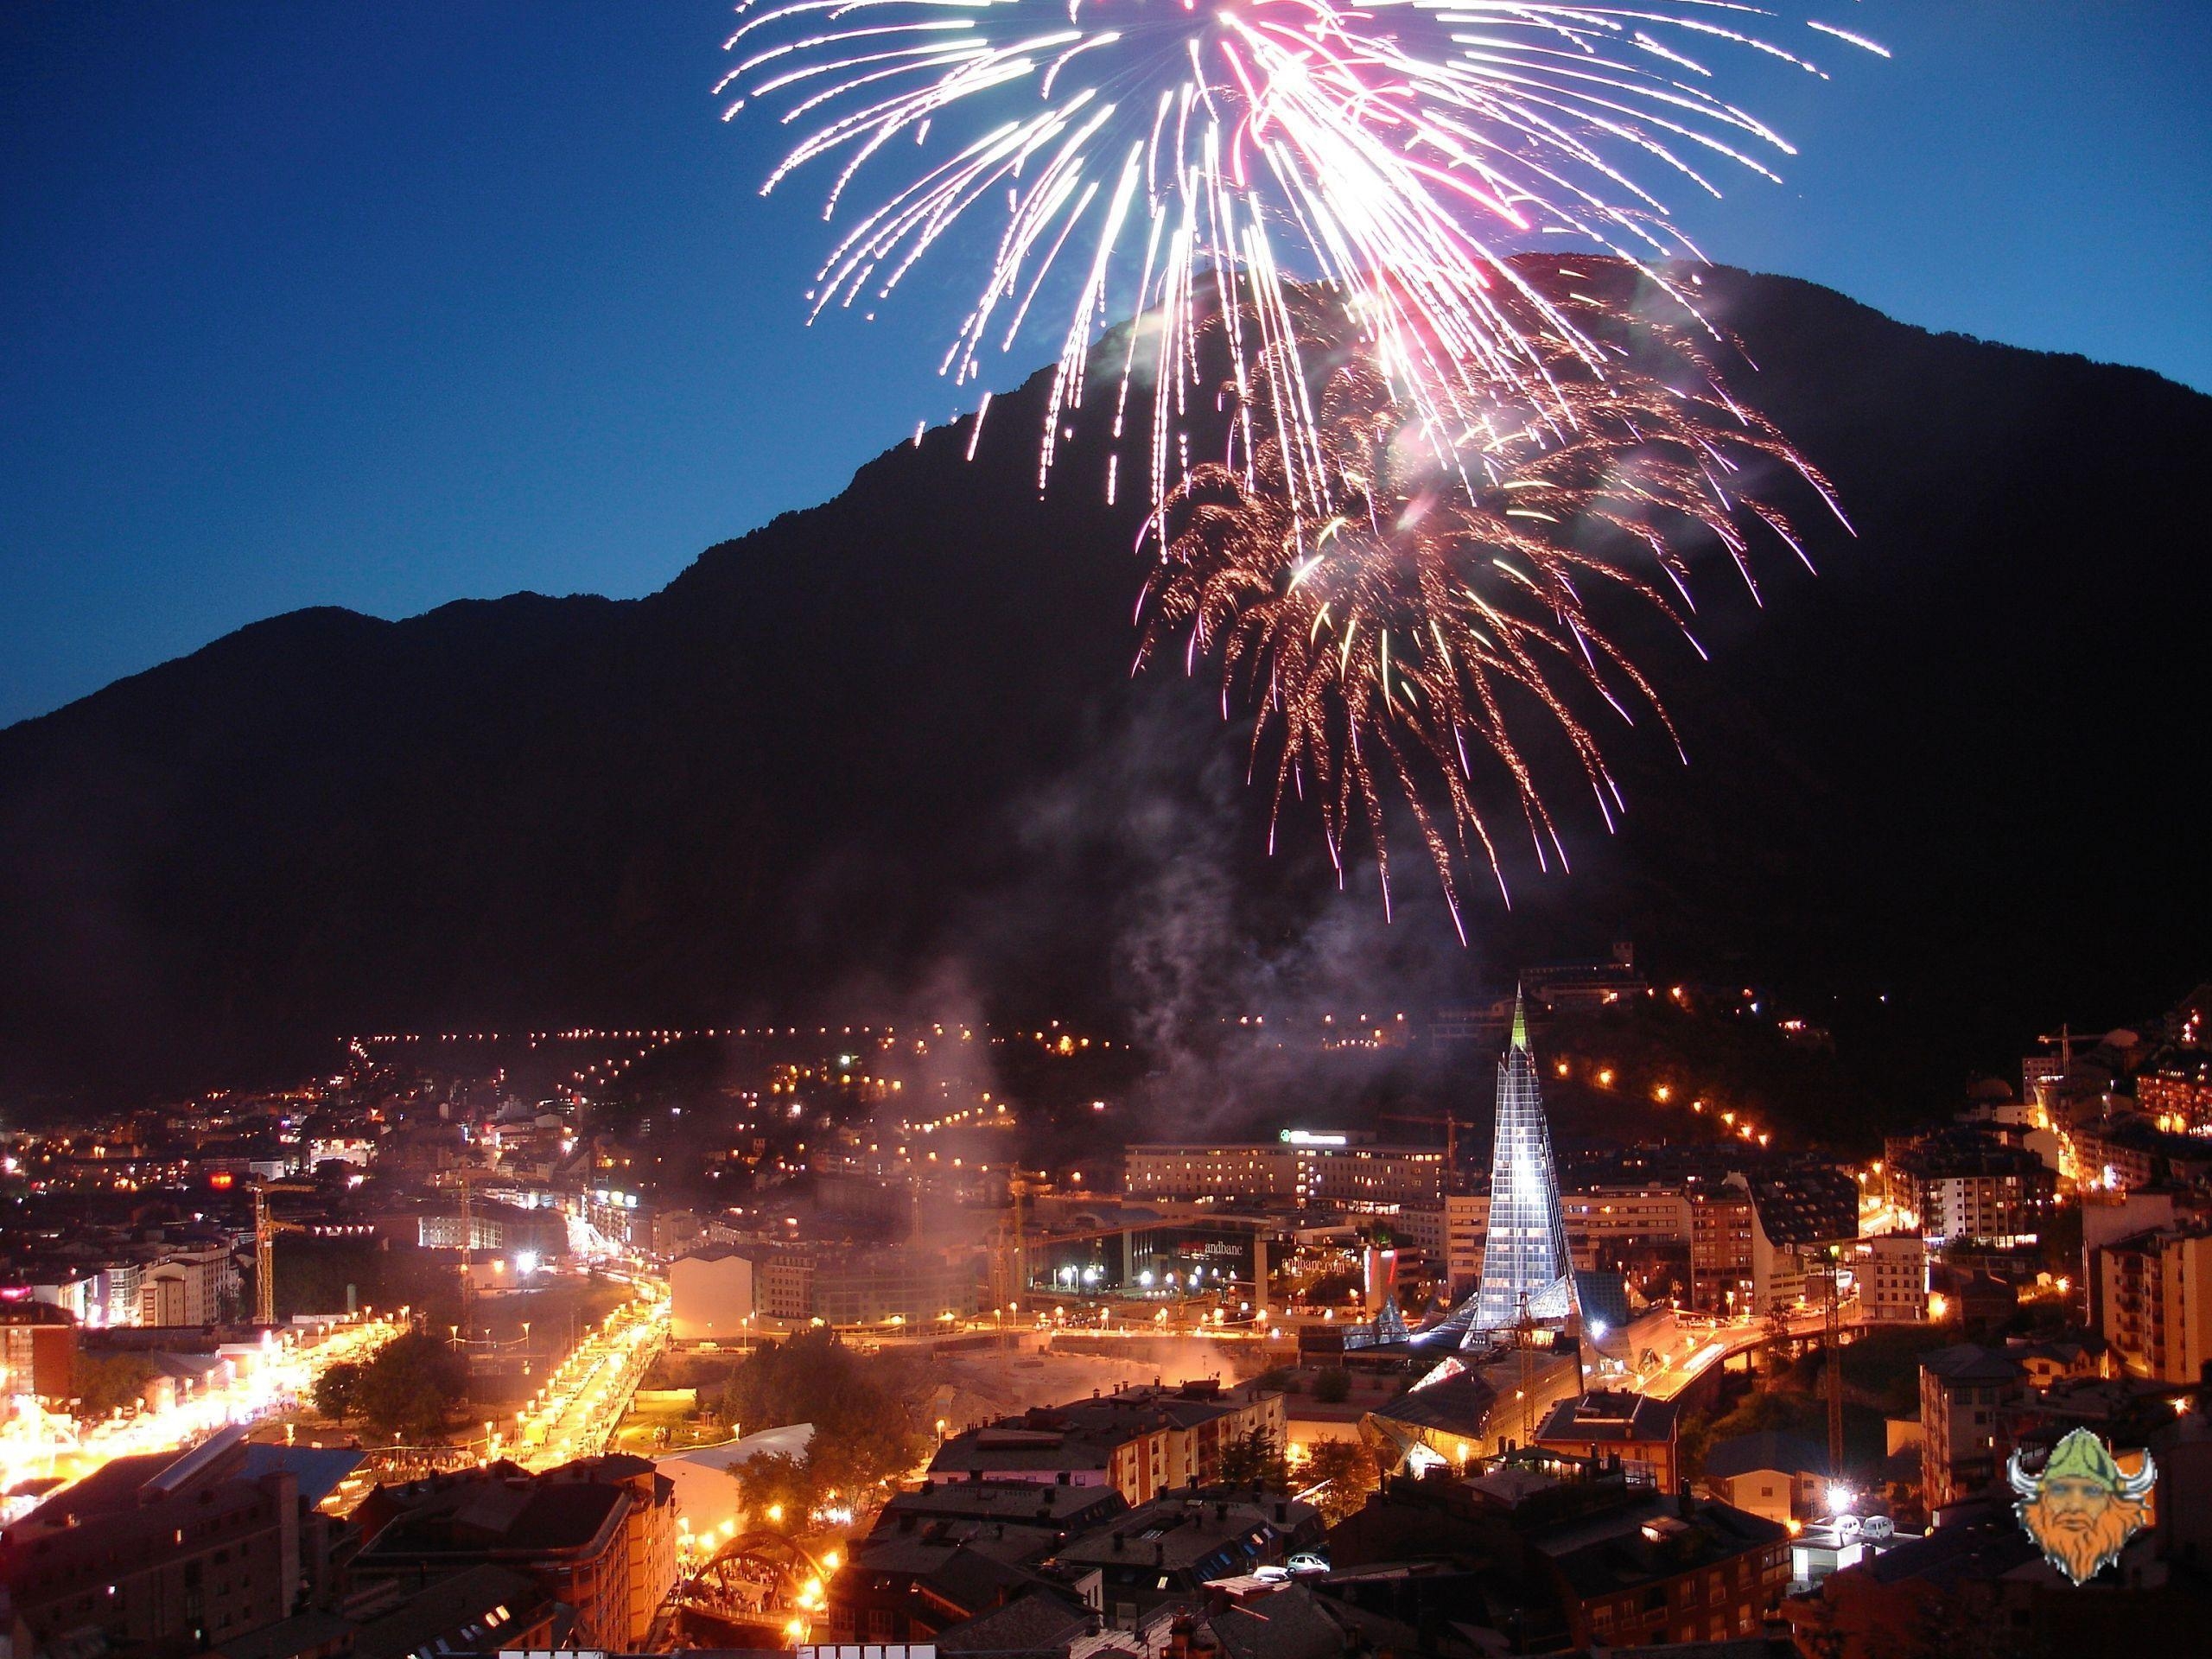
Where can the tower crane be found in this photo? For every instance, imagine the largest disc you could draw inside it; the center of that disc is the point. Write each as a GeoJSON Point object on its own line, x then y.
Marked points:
{"type": "Point", "coordinates": [1450, 1126]}
{"type": "Point", "coordinates": [466, 1178]}
{"type": "Point", "coordinates": [265, 1229]}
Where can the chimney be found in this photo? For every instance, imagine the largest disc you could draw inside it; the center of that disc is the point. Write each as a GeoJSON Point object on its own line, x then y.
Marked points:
{"type": "Point", "coordinates": [1684, 1504]}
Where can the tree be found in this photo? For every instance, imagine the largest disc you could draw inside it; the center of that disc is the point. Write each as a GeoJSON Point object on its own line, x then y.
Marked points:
{"type": "Point", "coordinates": [1333, 1288]}
{"type": "Point", "coordinates": [106, 1381]}
{"type": "Point", "coordinates": [777, 1491]}
{"type": "Point", "coordinates": [1255, 1459]}
{"type": "Point", "coordinates": [1339, 1475]}
{"type": "Point", "coordinates": [864, 1433]}
{"type": "Point", "coordinates": [338, 1391]}
{"type": "Point", "coordinates": [1333, 1387]}
{"type": "Point", "coordinates": [411, 1387]}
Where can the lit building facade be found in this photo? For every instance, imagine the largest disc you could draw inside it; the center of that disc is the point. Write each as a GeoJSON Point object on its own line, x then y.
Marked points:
{"type": "Point", "coordinates": [1341, 1169]}
{"type": "Point", "coordinates": [1893, 1278]}
{"type": "Point", "coordinates": [2155, 1303]}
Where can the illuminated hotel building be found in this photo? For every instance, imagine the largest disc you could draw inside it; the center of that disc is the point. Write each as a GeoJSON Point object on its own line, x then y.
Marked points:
{"type": "Point", "coordinates": [1527, 1271]}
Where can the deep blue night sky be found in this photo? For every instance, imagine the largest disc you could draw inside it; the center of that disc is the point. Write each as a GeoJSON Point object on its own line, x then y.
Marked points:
{"type": "Point", "coordinates": [385, 305]}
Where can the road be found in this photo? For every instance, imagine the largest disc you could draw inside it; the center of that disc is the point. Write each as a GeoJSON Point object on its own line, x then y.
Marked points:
{"type": "Point", "coordinates": [269, 1378]}
{"type": "Point", "coordinates": [575, 1413]}
{"type": "Point", "coordinates": [1687, 1347]}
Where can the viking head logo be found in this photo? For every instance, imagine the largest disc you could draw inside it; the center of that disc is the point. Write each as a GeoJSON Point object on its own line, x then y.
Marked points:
{"type": "Point", "coordinates": [2083, 1506]}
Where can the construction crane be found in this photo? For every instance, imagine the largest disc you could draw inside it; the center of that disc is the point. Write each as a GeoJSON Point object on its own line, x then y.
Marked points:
{"type": "Point", "coordinates": [1012, 1273]}
{"type": "Point", "coordinates": [265, 1229]}
{"type": "Point", "coordinates": [466, 1178]}
{"type": "Point", "coordinates": [1450, 1123]}
{"type": "Point", "coordinates": [1833, 1331]}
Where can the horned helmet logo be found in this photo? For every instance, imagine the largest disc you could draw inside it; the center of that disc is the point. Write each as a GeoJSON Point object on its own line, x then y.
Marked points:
{"type": "Point", "coordinates": [2082, 1507]}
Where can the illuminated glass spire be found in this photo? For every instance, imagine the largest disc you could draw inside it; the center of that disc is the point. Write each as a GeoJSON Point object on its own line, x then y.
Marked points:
{"type": "Point", "coordinates": [1526, 1267]}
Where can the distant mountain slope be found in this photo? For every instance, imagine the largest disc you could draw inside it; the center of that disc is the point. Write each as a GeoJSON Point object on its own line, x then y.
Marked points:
{"type": "Point", "coordinates": [889, 747]}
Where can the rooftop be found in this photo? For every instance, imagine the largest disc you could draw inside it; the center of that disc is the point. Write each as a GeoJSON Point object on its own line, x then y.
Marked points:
{"type": "Point", "coordinates": [1177, 1533]}
{"type": "Point", "coordinates": [1790, 1454]}
{"type": "Point", "coordinates": [1611, 1415]}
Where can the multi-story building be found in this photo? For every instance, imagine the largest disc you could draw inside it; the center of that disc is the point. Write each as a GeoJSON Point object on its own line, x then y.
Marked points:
{"type": "Point", "coordinates": [1639, 1430]}
{"type": "Point", "coordinates": [1466, 1227]}
{"type": "Point", "coordinates": [599, 1534]}
{"type": "Point", "coordinates": [1628, 1217]}
{"type": "Point", "coordinates": [1426, 1227]}
{"type": "Point", "coordinates": [1968, 1186]}
{"type": "Point", "coordinates": [1892, 1272]}
{"type": "Point", "coordinates": [169, 1552]}
{"type": "Point", "coordinates": [508, 1229]}
{"type": "Point", "coordinates": [2176, 1093]}
{"type": "Point", "coordinates": [1575, 1554]}
{"type": "Point", "coordinates": [2108, 1217]}
{"type": "Point", "coordinates": [1566, 986]}
{"type": "Point", "coordinates": [1320, 1168]}
{"type": "Point", "coordinates": [1799, 1221]}
{"type": "Point", "coordinates": [903, 1284]}
{"type": "Point", "coordinates": [357, 1150]}
{"type": "Point", "coordinates": [2128, 1151]}
{"type": "Point", "coordinates": [1963, 1391]}
{"type": "Point", "coordinates": [729, 1291]}
{"type": "Point", "coordinates": [2155, 1299]}
{"type": "Point", "coordinates": [1721, 1225]}
{"type": "Point", "coordinates": [187, 1288]}
{"type": "Point", "coordinates": [38, 1351]}
{"type": "Point", "coordinates": [1527, 1272]}
{"type": "Point", "coordinates": [1141, 1441]}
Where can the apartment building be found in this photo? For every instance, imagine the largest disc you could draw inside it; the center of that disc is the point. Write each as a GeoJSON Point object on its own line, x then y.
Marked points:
{"type": "Point", "coordinates": [1892, 1272]}
{"type": "Point", "coordinates": [169, 1552]}
{"type": "Point", "coordinates": [187, 1288]}
{"type": "Point", "coordinates": [1962, 1390]}
{"type": "Point", "coordinates": [1970, 1187]}
{"type": "Point", "coordinates": [1467, 1228]}
{"type": "Point", "coordinates": [1721, 1223]}
{"type": "Point", "coordinates": [2155, 1301]}
{"type": "Point", "coordinates": [598, 1533]}
{"type": "Point", "coordinates": [1141, 1441]}
{"type": "Point", "coordinates": [2176, 1092]}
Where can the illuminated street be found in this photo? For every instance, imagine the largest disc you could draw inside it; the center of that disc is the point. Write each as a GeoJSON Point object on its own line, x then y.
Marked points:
{"type": "Point", "coordinates": [268, 1380]}
{"type": "Point", "coordinates": [575, 1413]}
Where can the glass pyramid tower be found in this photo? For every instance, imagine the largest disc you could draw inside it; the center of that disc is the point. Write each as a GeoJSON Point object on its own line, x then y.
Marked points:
{"type": "Point", "coordinates": [1525, 1268]}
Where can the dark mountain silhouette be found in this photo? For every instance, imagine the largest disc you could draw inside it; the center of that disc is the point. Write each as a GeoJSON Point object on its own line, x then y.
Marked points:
{"type": "Point", "coordinates": [889, 750]}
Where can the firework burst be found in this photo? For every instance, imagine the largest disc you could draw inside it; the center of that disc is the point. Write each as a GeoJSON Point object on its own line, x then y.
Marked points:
{"type": "Point", "coordinates": [1185, 160]}
{"type": "Point", "coordinates": [1399, 615]}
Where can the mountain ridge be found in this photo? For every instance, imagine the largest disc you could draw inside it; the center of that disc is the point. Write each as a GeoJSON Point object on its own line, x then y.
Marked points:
{"type": "Point", "coordinates": [833, 757]}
